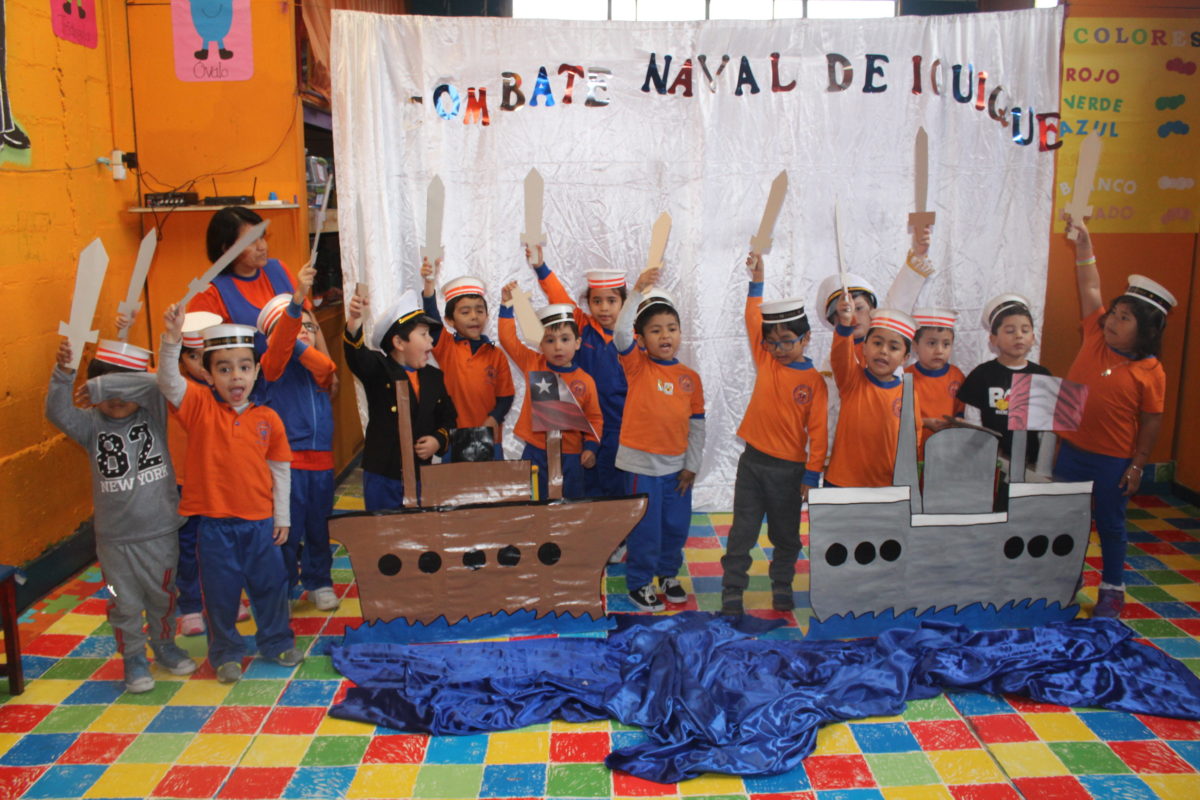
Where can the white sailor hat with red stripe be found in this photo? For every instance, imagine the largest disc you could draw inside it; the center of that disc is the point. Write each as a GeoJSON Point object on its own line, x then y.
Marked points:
{"type": "Point", "coordinates": [556, 313]}
{"type": "Point", "coordinates": [272, 311]}
{"type": "Point", "coordinates": [1002, 303]}
{"type": "Point", "coordinates": [1152, 292]}
{"type": "Point", "coordinates": [831, 289]}
{"type": "Point", "coordinates": [605, 279]}
{"type": "Point", "coordinates": [894, 320]}
{"type": "Point", "coordinates": [123, 354]}
{"type": "Point", "coordinates": [228, 336]}
{"type": "Point", "coordinates": [786, 310]}
{"type": "Point", "coordinates": [194, 323]}
{"type": "Point", "coordinates": [467, 284]}
{"type": "Point", "coordinates": [935, 317]}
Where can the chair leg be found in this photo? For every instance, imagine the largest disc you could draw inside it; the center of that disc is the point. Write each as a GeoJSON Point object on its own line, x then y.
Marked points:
{"type": "Point", "coordinates": [12, 637]}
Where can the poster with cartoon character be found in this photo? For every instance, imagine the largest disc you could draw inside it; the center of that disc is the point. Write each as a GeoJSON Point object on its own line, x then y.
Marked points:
{"type": "Point", "coordinates": [212, 39]}
{"type": "Point", "coordinates": [74, 21]}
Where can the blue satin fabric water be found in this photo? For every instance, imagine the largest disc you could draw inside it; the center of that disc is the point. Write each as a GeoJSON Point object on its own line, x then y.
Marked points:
{"type": "Point", "coordinates": [713, 698]}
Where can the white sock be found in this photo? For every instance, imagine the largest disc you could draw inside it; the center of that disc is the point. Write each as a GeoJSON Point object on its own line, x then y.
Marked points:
{"type": "Point", "coordinates": [1120, 588]}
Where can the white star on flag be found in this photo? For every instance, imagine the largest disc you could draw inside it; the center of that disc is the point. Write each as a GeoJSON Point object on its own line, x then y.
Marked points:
{"type": "Point", "coordinates": [543, 384]}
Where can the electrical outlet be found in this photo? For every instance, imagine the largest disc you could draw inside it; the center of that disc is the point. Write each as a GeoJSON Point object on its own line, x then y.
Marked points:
{"type": "Point", "coordinates": [118, 166]}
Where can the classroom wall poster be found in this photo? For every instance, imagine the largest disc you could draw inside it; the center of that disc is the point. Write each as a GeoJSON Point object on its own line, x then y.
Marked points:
{"type": "Point", "coordinates": [1134, 83]}
{"type": "Point", "coordinates": [74, 21]}
{"type": "Point", "coordinates": [213, 41]}
{"type": "Point", "coordinates": [626, 120]}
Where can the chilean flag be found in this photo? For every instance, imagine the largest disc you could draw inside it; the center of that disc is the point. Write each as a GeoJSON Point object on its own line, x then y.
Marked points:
{"type": "Point", "coordinates": [554, 408]}
{"type": "Point", "coordinates": [1045, 403]}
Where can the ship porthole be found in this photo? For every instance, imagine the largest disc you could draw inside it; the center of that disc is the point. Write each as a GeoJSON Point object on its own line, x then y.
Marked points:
{"type": "Point", "coordinates": [474, 559]}
{"type": "Point", "coordinates": [864, 553]}
{"type": "Point", "coordinates": [549, 553]}
{"type": "Point", "coordinates": [1014, 547]}
{"type": "Point", "coordinates": [509, 556]}
{"type": "Point", "coordinates": [429, 562]}
{"type": "Point", "coordinates": [889, 550]}
{"type": "Point", "coordinates": [1038, 546]}
{"type": "Point", "coordinates": [389, 564]}
{"type": "Point", "coordinates": [1063, 545]}
{"type": "Point", "coordinates": [835, 556]}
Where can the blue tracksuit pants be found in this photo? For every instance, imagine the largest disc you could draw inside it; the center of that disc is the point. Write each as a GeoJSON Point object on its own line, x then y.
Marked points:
{"type": "Point", "coordinates": [656, 543]}
{"type": "Point", "coordinates": [571, 468]}
{"type": "Point", "coordinates": [306, 553]}
{"type": "Point", "coordinates": [1108, 502]}
{"type": "Point", "coordinates": [236, 554]}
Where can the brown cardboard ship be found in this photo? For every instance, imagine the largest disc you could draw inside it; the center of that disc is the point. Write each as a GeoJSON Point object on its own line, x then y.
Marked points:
{"type": "Point", "coordinates": [476, 542]}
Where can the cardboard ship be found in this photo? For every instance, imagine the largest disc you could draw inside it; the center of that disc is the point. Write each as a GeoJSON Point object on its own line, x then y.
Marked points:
{"type": "Point", "coordinates": [475, 542]}
{"type": "Point", "coordinates": [896, 556]}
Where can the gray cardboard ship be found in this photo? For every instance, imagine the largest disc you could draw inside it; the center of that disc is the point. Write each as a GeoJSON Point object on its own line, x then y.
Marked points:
{"type": "Point", "coordinates": [896, 556]}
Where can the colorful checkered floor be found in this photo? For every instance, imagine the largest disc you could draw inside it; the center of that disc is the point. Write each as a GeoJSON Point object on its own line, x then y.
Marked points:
{"type": "Point", "coordinates": [73, 733]}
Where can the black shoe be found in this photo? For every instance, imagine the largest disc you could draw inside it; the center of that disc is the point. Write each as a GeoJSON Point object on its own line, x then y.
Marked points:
{"type": "Point", "coordinates": [731, 602]}
{"type": "Point", "coordinates": [225, 54]}
{"type": "Point", "coordinates": [645, 599]}
{"type": "Point", "coordinates": [16, 139]}
{"type": "Point", "coordinates": [673, 589]}
{"type": "Point", "coordinates": [201, 54]}
{"type": "Point", "coordinates": [782, 598]}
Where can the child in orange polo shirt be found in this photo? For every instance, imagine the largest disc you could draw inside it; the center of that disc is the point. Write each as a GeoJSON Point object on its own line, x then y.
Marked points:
{"type": "Point", "coordinates": [864, 449]}
{"type": "Point", "coordinates": [662, 440]}
{"type": "Point", "coordinates": [935, 380]}
{"type": "Point", "coordinates": [238, 484]}
{"type": "Point", "coordinates": [786, 438]}
{"type": "Point", "coordinates": [560, 342]}
{"type": "Point", "coordinates": [1123, 415]}
{"type": "Point", "coordinates": [477, 373]}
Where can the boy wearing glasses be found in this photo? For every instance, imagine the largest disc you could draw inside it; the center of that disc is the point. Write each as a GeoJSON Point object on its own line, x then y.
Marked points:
{"type": "Point", "coordinates": [786, 439]}
{"type": "Point", "coordinates": [299, 377]}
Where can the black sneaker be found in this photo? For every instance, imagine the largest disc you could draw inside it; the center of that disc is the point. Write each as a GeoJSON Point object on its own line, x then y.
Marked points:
{"type": "Point", "coordinates": [782, 598]}
{"type": "Point", "coordinates": [673, 589]}
{"type": "Point", "coordinates": [645, 599]}
{"type": "Point", "coordinates": [731, 602]}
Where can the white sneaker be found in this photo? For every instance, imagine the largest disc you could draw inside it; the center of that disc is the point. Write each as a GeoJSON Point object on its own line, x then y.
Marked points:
{"type": "Point", "coordinates": [646, 599]}
{"type": "Point", "coordinates": [191, 624]}
{"type": "Point", "coordinates": [325, 598]}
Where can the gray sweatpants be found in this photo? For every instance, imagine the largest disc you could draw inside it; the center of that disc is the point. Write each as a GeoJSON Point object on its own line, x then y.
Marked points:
{"type": "Point", "coordinates": [767, 486]}
{"type": "Point", "coordinates": [140, 577]}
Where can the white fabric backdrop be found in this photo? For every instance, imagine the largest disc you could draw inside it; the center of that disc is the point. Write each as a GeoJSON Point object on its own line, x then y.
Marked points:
{"type": "Point", "coordinates": [708, 160]}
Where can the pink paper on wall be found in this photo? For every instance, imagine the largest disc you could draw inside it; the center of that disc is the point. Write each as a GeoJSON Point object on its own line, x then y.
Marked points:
{"type": "Point", "coordinates": [74, 21]}
{"type": "Point", "coordinates": [213, 41]}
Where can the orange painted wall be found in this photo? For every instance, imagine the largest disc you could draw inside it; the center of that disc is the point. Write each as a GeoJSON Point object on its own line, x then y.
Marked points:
{"type": "Point", "coordinates": [240, 129]}
{"type": "Point", "coordinates": [76, 104]}
{"type": "Point", "coordinates": [73, 102]}
{"type": "Point", "coordinates": [1168, 258]}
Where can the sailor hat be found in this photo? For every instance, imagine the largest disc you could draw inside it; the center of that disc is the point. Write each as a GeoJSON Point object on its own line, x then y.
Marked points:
{"type": "Point", "coordinates": [467, 284]}
{"type": "Point", "coordinates": [406, 309]}
{"type": "Point", "coordinates": [1152, 292]}
{"type": "Point", "coordinates": [656, 297]}
{"type": "Point", "coordinates": [123, 354]}
{"type": "Point", "coordinates": [1001, 303]}
{"type": "Point", "coordinates": [831, 289]}
{"type": "Point", "coordinates": [272, 311]}
{"type": "Point", "coordinates": [194, 323]}
{"type": "Point", "coordinates": [787, 310]}
{"type": "Point", "coordinates": [894, 320]}
{"type": "Point", "coordinates": [935, 317]}
{"type": "Point", "coordinates": [605, 279]}
{"type": "Point", "coordinates": [228, 336]}
{"type": "Point", "coordinates": [556, 313]}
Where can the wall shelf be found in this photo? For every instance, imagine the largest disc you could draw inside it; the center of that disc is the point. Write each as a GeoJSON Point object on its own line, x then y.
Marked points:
{"type": "Point", "coordinates": [165, 209]}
